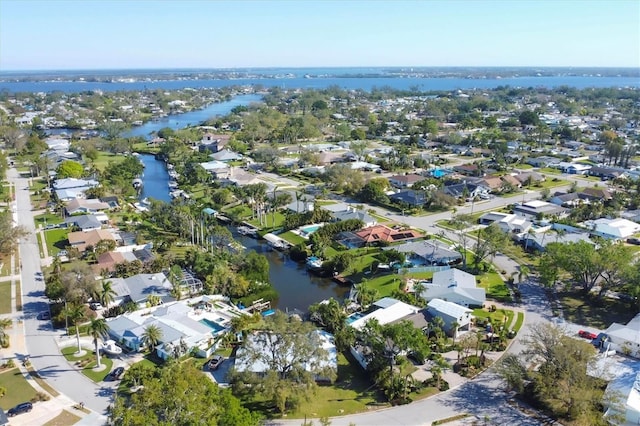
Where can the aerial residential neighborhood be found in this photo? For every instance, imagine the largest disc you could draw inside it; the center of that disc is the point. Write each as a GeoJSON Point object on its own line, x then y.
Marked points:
{"type": "Point", "coordinates": [233, 213]}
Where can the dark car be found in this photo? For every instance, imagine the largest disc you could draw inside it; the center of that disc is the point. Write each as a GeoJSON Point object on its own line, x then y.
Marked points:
{"type": "Point", "coordinates": [117, 373]}
{"type": "Point", "coordinates": [215, 362]}
{"type": "Point", "coordinates": [587, 334]}
{"type": "Point", "coordinates": [635, 241]}
{"type": "Point", "coordinates": [24, 407]}
{"type": "Point", "coordinates": [44, 315]}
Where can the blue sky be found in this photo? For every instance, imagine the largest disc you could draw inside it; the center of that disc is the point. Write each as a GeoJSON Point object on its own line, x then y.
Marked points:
{"type": "Point", "coordinates": [91, 34]}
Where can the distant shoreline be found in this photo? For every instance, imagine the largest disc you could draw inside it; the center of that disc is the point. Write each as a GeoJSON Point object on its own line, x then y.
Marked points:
{"type": "Point", "coordinates": [158, 75]}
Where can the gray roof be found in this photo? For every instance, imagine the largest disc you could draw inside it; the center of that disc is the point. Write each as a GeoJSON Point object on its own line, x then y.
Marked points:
{"type": "Point", "coordinates": [454, 276]}
{"type": "Point", "coordinates": [450, 309]}
{"type": "Point", "coordinates": [119, 285]}
{"type": "Point", "coordinates": [358, 214]}
{"type": "Point", "coordinates": [142, 286]}
{"type": "Point", "coordinates": [120, 324]}
{"type": "Point", "coordinates": [87, 221]}
{"type": "Point", "coordinates": [430, 250]}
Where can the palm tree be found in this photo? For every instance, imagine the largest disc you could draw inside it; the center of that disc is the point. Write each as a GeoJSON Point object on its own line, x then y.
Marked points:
{"type": "Point", "coordinates": [523, 273]}
{"type": "Point", "coordinates": [107, 294]}
{"type": "Point", "coordinates": [152, 336]}
{"type": "Point", "coordinates": [98, 328]}
{"type": "Point", "coordinates": [4, 337]}
{"type": "Point", "coordinates": [76, 314]}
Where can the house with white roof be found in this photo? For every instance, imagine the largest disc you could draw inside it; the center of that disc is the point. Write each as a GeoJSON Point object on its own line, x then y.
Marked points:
{"type": "Point", "coordinates": [452, 314]}
{"type": "Point", "coordinates": [385, 311]}
{"type": "Point", "coordinates": [454, 285]}
{"type": "Point", "coordinates": [185, 325]}
{"type": "Point", "coordinates": [324, 358]}
{"type": "Point", "coordinates": [622, 399]}
{"type": "Point", "coordinates": [507, 222]}
{"type": "Point", "coordinates": [612, 229]}
{"type": "Point", "coordinates": [623, 338]}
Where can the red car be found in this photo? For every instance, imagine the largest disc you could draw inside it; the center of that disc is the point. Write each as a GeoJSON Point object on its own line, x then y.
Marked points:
{"type": "Point", "coordinates": [587, 334]}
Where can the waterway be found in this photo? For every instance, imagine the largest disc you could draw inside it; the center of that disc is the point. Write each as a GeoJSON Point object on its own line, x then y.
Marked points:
{"type": "Point", "coordinates": [192, 118]}
{"type": "Point", "coordinates": [296, 287]}
{"type": "Point", "coordinates": [351, 83]}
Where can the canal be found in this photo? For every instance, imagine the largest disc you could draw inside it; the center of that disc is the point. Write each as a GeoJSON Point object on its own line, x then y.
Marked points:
{"type": "Point", "coordinates": [296, 287]}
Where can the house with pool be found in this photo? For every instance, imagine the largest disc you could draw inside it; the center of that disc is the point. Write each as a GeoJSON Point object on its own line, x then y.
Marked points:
{"type": "Point", "coordinates": [195, 324]}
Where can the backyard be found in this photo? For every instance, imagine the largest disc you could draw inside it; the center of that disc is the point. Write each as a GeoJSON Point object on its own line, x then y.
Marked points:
{"type": "Point", "coordinates": [593, 312]}
{"type": "Point", "coordinates": [56, 240]}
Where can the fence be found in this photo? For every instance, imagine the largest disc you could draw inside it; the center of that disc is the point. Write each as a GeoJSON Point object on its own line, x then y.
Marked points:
{"type": "Point", "coordinates": [426, 269]}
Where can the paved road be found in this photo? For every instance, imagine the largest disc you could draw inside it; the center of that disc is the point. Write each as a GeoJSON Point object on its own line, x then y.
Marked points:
{"type": "Point", "coordinates": [41, 338]}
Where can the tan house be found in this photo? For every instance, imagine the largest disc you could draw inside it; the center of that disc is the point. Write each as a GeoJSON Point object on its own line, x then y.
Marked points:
{"type": "Point", "coordinates": [82, 240]}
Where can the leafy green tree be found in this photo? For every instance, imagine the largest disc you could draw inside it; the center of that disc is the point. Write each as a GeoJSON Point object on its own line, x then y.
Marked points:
{"type": "Point", "coordinates": [9, 234]}
{"type": "Point", "coordinates": [294, 355]}
{"type": "Point", "coordinates": [489, 242]}
{"type": "Point", "coordinates": [98, 329]}
{"type": "Point", "coordinates": [178, 394]}
{"type": "Point", "coordinates": [70, 169]}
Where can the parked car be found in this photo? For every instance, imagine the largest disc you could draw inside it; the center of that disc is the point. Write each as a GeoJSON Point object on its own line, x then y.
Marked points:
{"type": "Point", "coordinates": [96, 306]}
{"type": "Point", "coordinates": [45, 315]}
{"type": "Point", "coordinates": [23, 407]}
{"type": "Point", "coordinates": [117, 373]}
{"type": "Point", "coordinates": [215, 362]}
{"type": "Point", "coordinates": [635, 241]}
{"type": "Point", "coordinates": [587, 334]}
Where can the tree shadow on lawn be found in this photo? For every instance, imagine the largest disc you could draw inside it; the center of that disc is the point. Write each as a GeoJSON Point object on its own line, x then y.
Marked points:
{"type": "Point", "coordinates": [590, 310]}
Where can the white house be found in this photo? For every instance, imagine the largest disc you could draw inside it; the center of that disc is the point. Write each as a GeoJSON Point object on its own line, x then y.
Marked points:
{"type": "Point", "coordinates": [451, 313]}
{"type": "Point", "coordinates": [613, 229]}
{"type": "Point", "coordinates": [454, 285]}
{"type": "Point", "coordinates": [386, 310]}
{"type": "Point", "coordinates": [622, 398]}
{"type": "Point", "coordinates": [623, 338]}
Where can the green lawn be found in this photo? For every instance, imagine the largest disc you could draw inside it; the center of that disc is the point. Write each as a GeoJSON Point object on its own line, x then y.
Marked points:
{"type": "Point", "coordinates": [294, 239]}
{"type": "Point", "coordinates": [38, 185]}
{"type": "Point", "coordinates": [324, 202]}
{"type": "Point", "coordinates": [351, 393]}
{"type": "Point", "coordinates": [89, 357]}
{"type": "Point", "coordinates": [591, 311]}
{"type": "Point", "coordinates": [497, 317]}
{"type": "Point", "coordinates": [104, 158]}
{"type": "Point", "coordinates": [495, 287]}
{"type": "Point", "coordinates": [18, 389]}
{"type": "Point", "coordinates": [519, 321]}
{"type": "Point", "coordinates": [5, 297]}
{"type": "Point", "coordinates": [47, 219]}
{"type": "Point", "coordinates": [56, 240]}
{"type": "Point", "coordinates": [550, 170]}
{"type": "Point", "coordinates": [267, 221]}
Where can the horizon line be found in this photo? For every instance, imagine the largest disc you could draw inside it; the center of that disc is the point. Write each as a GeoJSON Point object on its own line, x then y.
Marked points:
{"type": "Point", "coordinates": [279, 67]}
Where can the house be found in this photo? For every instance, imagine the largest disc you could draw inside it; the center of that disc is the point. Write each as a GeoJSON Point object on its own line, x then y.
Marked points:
{"type": "Point", "coordinates": [73, 183]}
{"type": "Point", "coordinates": [325, 356]}
{"type": "Point", "coordinates": [194, 323]}
{"type": "Point", "coordinates": [303, 205]}
{"type": "Point", "coordinates": [576, 168]}
{"type": "Point", "coordinates": [382, 233]}
{"type": "Point", "coordinates": [595, 194]}
{"type": "Point", "coordinates": [409, 197]}
{"type": "Point", "coordinates": [428, 252]}
{"type": "Point", "coordinates": [623, 338]}
{"type": "Point", "coordinates": [353, 213]}
{"type": "Point", "coordinates": [612, 229]}
{"type": "Point", "coordinates": [456, 318]}
{"type": "Point", "coordinates": [385, 311]}
{"type": "Point", "coordinates": [108, 261]}
{"type": "Point", "coordinates": [622, 399]}
{"type": "Point", "coordinates": [83, 240]}
{"type": "Point", "coordinates": [142, 286]}
{"type": "Point", "coordinates": [467, 169]}
{"type": "Point", "coordinates": [538, 241]}
{"type": "Point", "coordinates": [466, 190]}
{"type": "Point", "coordinates": [570, 199]}
{"type": "Point", "coordinates": [405, 181]}
{"type": "Point", "coordinates": [494, 183]}
{"type": "Point", "coordinates": [606, 173]}
{"type": "Point", "coordinates": [509, 223]}
{"type": "Point", "coordinates": [226, 155]}
{"type": "Point", "coordinates": [527, 177]}
{"type": "Point", "coordinates": [543, 161]}
{"type": "Point", "coordinates": [86, 206]}
{"type": "Point", "coordinates": [535, 209]}
{"type": "Point", "coordinates": [215, 166]}
{"type": "Point", "coordinates": [213, 143]}
{"type": "Point", "coordinates": [633, 215]}
{"type": "Point", "coordinates": [86, 222]}
{"type": "Point", "coordinates": [454, 285]}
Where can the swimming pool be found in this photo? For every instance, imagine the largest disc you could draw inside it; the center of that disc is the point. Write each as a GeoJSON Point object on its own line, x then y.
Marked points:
{"type": "Point", "coordinates": [309, 229]}
{"type": "Point", "coordinates": [354, 317]}
{"type": "Point", "coordinates": [212, 325]}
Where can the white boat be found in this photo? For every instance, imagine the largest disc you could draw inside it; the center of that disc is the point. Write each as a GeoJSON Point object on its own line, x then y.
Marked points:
{"type": "Point", "coordinates": [110, 348]}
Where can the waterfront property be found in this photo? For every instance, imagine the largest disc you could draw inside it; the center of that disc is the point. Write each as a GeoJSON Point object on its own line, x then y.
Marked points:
{"type": "Point", "coordinates": [194, 323]}
{"type": "Point", "coordinates": [454, 285]}
{"type": "Point", "coordinates": [428, 252]}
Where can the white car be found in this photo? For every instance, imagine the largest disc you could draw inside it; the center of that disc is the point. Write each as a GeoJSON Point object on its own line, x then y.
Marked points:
{"type": "Point", "coordinates": [95, 306]}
